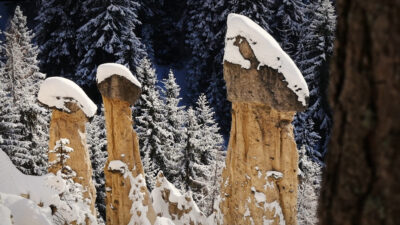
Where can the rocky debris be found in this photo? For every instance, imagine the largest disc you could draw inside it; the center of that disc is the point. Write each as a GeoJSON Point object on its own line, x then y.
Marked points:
{"type": "Point", "coordinates": [119, 92]}
{"type": "Point", "coordinates": [169, 203]}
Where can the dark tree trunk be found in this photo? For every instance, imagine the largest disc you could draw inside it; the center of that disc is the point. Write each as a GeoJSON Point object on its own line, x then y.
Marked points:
{"type": "Point", "coordinates": [362, 178]}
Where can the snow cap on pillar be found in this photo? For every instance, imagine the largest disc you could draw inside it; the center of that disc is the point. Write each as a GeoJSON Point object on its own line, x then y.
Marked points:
{"type": "Point", "coordinates": [115, 81]}
{"type": "Point", "coordinates": [65, 95]}
{"type": "Point", "coordinates": [258, 70]}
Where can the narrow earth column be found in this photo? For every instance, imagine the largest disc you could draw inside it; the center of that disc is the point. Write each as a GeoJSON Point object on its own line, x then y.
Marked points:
{"type": "Point", "coordinates": [71, 110]}
{"type": "Point", "coordinates": [120, 90]}
{"type": "Point", "coordinates": [259, 182]}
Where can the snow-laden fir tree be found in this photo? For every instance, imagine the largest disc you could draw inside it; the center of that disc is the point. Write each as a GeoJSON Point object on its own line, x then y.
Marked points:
{"type": "Point", "coordinates": [314, 49]}
{"type": "Point", "coordinates": [174, 127]}
{"type": "Point", "coordinates": [308, 190]}
{"type": "Point", "coordinates": [97, 143]}
{"type": "Point", "coordinates": [205, 32]}
{"type": "Point", "coordinates": [57, 22]}
{"type": "Point", "coordinates": [211, 145]}
{"type": "Point", "coordinates": [306, 135]}
{"type": "Point", "coordinates": [197, 174]}
{"type": "Point", "coordinates": [62, 151]}
{"type": "Point", "coordinates": [22, 78]}
{"type": "Point", "coordinates": [288, 23]}
{"type": "Point", "coordinates": [12, 141]}
{"type": "Point", "coordinates": [107, 35]}
{"type": "Point", "coordinates": [150, 122]}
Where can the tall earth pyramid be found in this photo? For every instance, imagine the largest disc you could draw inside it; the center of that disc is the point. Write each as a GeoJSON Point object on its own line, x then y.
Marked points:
{"type": "Point", "coordinates": [128, 200]}
{"type": "Point", "coordinates": [259, 181]}
{"type": "Point", "coordinates": [71, 110]}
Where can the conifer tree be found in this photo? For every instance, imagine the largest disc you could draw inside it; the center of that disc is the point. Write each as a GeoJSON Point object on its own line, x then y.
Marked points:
{"type": "Point", "coordinates": [212, 141]}
{"type": "Point", "coordinates": [211, 145]}
{"type": "Point", "coordinates": [22, 78]}
{"type": "Point", "coordinates": [107, 35]}
{"type": "Point", "coordinates": [97, 143]}
{"type": "Point", "coordinates": [287, 25]}
{"type": "Point", "coordinates": [174, 127]}
{"type": "Point", "coordinates": [314, 49]}
{"type": "Point", "coordinates": [308, 190]}
{"type": "Point", "coordinates": [11, 129]}
{"type": "Point", "coordinates": [150, 123]}
{"type": "Point", "coordinates": [196, 173]}
{"type": "Point", "coordinates": [62, 151]}
{"type": "Point", "coordinates": [57, 22]}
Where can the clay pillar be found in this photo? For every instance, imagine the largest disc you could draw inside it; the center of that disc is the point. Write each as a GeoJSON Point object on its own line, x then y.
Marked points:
{"type": "Point", "coordinates": [122, 145]}
{"type": "Point", "coordinates": [71, 110]}
{"type": "Point", "coordinates": [260, 178]}
{"type": "Point", "coordinates": [72, 126]}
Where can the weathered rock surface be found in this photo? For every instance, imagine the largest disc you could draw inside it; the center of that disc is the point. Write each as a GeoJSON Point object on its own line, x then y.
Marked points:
{"type": "Point", "coordinates": [259, 182]}
{"type": "Point", "coordinates": [122, 144]}
{"type": "Point", "coordinates": [117, 87]}
{"type": "Point", "coordinates": [72, 126]}
{"type": "Point", "coordinates": [262, 84]}
{"type": "Point", "coordinates": [260, 179]}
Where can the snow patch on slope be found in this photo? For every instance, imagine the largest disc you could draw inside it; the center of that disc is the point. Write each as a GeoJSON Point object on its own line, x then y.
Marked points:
{"type": "Point", "coordinates": [57, 91]}
{"type": "Point", "coordinates": [22, 210]}
{"type": "Point", "coordinates": [43, 191]}
{"type": "Point", "coordinates": [5, 215]}
{"type": "Point", "coordinates": [106, 70]}
{"type": "Point", "coordinates": [267, 51]}
{"type": "Point", "coordinates": [38, 188]}
{"type": "Point", "coordinates": [163, 221]}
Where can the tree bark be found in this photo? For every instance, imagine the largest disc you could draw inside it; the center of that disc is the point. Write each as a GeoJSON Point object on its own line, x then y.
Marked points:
{"type": "Point", "coordinates": [361, 180]}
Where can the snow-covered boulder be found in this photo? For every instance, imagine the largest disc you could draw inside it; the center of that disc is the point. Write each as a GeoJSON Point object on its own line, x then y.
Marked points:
{"type": "Point", "coordinates": [60, 93]}
{"type": "Point", "coordinates": [168, 202]}
{"type": "Point", "coordinates": [117, 82]}
{"type": "Point", "coordinates": [258, 70]}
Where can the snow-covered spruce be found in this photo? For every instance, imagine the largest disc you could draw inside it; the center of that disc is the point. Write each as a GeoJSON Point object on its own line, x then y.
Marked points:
{"type": "Point", "coordinates": [107, 34]}
{"type": "Point", "coordinates": [267, 51]}
{"type": "Point", "coordinates": [23, 125]}
{"type": "Point", "coordinates": [310, 173]}
{"type": "Point", "coordinates": [149, 114]}
{"type": "Point", "coordinates": [315, 46]}
{"type": "Point", "coordinates": [57, 91]}
{"type": "Point", "coordinates": [97, 145]}
{"type": "Point", "coordinates": [106, 70]}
